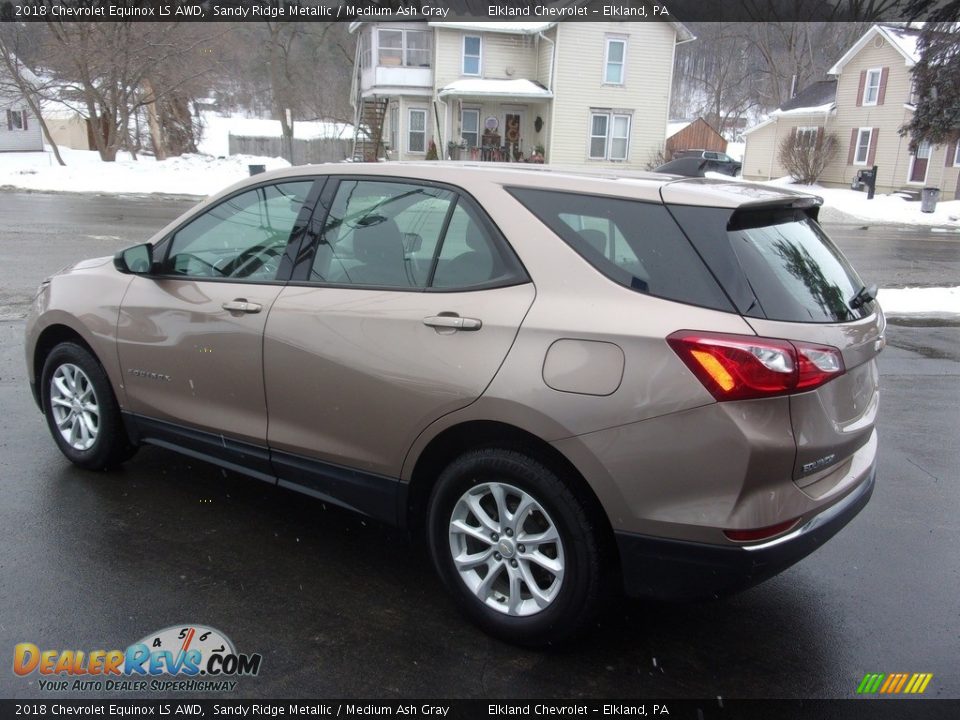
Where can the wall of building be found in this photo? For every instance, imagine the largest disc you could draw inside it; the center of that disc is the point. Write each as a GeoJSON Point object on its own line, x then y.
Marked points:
{"type": "Point", "coordinates": [579, 86]}
{"type": "Point", "coordinates": [17, 140]}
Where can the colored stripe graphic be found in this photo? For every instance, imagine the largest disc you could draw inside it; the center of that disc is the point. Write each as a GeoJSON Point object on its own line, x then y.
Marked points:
{"type": "Point", "coordinates": [894, 684]}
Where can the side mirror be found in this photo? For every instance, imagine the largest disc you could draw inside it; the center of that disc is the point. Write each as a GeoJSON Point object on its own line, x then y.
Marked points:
{"type": "Point", "coordinates": [136, 260]}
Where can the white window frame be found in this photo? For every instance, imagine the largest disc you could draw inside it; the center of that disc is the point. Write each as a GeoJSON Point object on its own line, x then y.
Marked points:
{"type": "Point", "coordinates": [611, 117]}
{"type": "Point", "coordinates": [606, 61]}
{"type": "Point", "coordinates": [878, 73]}
{"type": "Point", "coordinates": [410, 130]}
{"type": "Point", "coordinates": [479, 130]}
{"type": "Point", "coordinates": [366, 49]}
{"type": "Point", "coordinates": [815, 130]}
{"type": "Point", "coordinates": [856, 150]}
{"type": "Point", "coordinates": [956, 155]}
{"type": "Point", "coordinates": [22, 114]}
{"type": "Point", "coordinates": [464, 56]}
{"type": "Point", "coordinates": [404, 49]}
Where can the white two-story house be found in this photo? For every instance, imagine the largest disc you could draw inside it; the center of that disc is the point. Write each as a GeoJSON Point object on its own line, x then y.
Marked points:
{"type": "Point", "coordinates": [569, 93]}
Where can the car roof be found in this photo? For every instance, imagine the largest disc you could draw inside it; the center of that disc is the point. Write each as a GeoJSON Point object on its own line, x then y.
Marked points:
{"type": "Point", "coordinates": [610, 181]}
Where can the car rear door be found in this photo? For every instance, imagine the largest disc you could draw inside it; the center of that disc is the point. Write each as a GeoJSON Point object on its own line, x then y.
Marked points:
{"type": "Point", "coordinates": [404, 310]}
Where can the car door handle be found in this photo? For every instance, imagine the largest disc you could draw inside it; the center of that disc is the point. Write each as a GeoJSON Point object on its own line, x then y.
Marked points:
{"type": "Point", "coordinates": [241, 305]}
{"type": "Point", "coordinates": [452, 322]}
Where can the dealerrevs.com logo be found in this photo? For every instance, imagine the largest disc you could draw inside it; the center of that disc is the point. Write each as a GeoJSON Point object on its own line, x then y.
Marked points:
{"type": "Point", "coordinates": [186, 657]}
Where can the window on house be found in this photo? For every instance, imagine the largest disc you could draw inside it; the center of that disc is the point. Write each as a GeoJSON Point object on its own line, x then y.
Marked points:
{"type": "Point", "coordinates": [417, 52]}
{"type": "Point", "coordinates": [394, 127]}
{"type": "Point", "coordinates": [609, 136]}
{"type": "Point", "coordinates": [871, 90]}
{"type": "Point", "coordinates": [914, 98]}
{"type": "Point", "coordinates": [366, 53]}
{"type": "Point", "coordinates": [391, 47]}
{"type": "Point", "coordinates": [470, 127]}
{"type": "Point", "coordinates": [471, 54]}
{"type": "Point", "coordinates": [864, 135]}
{"type": "Point", "coordinates": [417, 131]}
{"type": "Point", "coordinates": [807, 136]}
{"type": "Point", "coordinates": [16, 120]}
{"type": "Point", "coordinates": [614, 64]}
{"type": "Point", "coordinates": [956, 155]}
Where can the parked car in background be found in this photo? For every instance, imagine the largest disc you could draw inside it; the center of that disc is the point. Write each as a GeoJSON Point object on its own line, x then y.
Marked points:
{"type": "Point", "coordinates": [711, 161]}
{"type": "Point", "coordinates": [569, 383]}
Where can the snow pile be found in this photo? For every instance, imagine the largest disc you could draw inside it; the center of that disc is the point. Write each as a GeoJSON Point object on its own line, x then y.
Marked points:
{"type": "Point", "coordinates": [929, 302]}
{"type": "Point", "coordinates": [218, 128]}
{"type": "Point", "coordinates": [84, 172]}
{"type": "Point", "coordinates": [842, 205]}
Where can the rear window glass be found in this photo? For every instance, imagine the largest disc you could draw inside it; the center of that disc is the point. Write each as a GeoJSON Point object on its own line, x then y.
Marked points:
{"type": "Point", "coordinates": [635, 244]}
{"type": "Point", "coordinates": [796, 272]}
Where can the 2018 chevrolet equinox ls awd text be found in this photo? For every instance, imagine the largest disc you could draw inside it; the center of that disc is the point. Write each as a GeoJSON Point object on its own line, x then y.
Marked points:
{"type": "Point", "coordinates": [567, 380]}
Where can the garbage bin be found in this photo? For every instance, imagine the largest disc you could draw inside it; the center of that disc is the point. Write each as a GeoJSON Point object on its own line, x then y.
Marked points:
{"type": "Point", "coordinates": [928, 199]}
{"type": "Point", "coordinates": [257, 169]}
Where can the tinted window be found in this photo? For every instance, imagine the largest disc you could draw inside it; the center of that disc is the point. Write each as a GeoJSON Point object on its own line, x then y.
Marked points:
{"type": "Point", "coordinates": [404, 235]}
{"type": "Point", "coordinates": [243, 237]}
{"type": "Point", "coordinates": [796, 272]}
{"type": "Point", "coordinates": [635, 244]}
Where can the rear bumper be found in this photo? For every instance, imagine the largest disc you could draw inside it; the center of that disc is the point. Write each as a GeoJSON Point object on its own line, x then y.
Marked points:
{"type": "Point", "coordinates": [676, 570]}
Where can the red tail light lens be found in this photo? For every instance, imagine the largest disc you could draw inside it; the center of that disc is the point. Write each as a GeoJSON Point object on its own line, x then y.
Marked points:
{"type": "Point", "coordinates": [741, 367]}
{"type": "Point", "coordinates": [763, 533]}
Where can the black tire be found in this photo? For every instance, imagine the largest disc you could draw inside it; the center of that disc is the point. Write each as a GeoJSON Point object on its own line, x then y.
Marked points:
{"type": "Point", "coordinates": [581, 591]}
{"type": "Point", "coordinates": [111, 445]}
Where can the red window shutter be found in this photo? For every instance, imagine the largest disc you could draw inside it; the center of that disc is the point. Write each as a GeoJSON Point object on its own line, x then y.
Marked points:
{"type": "Point", "coordinates": [23, 114]}
{"type": "Point", "coordinates": [882, 92]}
{"type": "Point", "coordinates": [10, 120]}
{"type": "Point", "coordinates": [872, 155]}
{"type": "Point", "coordinates": [863, 82]}
{"type": "Point", "coordinates": [853, 146]}
{"type": "Point", "coordinates": [951, 153]}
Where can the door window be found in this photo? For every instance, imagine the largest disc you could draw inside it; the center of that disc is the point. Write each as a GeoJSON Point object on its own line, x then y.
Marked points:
{"type": "Point", "coordinates": [242, 237]}
{"type": "Point", "coordinates": [407, 236]}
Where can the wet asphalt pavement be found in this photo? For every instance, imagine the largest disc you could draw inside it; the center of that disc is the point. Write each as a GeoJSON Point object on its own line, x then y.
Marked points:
{"type": "Point", "coordinates": [340, 606]}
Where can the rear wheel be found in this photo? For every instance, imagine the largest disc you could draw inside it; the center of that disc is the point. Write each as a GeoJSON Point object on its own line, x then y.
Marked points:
{"type": "Point", "coordinates": [81, 409]}
{"type": "Point", "coordinates": [515, 546]}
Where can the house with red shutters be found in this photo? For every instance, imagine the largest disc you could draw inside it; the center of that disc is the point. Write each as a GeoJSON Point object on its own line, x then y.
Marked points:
{"type": "Point", "coordinates": [868, 97]}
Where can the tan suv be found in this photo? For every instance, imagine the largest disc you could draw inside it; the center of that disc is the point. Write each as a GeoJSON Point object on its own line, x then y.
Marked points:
{"type": "Point", "coordinates": [567, 380]}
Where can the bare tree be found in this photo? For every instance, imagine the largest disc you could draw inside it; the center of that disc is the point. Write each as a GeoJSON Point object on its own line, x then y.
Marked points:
{"type": "Point", "coordinates": [806, 155]}
{"type": "Point", "coordinates": [108, 71]}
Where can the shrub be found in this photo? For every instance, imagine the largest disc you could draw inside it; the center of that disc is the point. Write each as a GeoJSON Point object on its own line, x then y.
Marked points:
{"type": "Point", "coordinates": [806, 154]}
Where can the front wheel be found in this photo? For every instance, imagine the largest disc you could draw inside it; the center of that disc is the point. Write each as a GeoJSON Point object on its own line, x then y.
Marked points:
{"type": "Point", "coordinates": [515, 546]}
{"type": "Point", "coordinates": [81, 409]}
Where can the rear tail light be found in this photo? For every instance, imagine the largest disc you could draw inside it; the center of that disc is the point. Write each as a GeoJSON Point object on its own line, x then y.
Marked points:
{"type": "Point", "coordinates": [754, 534]}
{"type": "Point", "coordinates": [741, 367]}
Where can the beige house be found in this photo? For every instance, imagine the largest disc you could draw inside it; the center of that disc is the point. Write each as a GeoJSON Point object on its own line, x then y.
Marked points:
{"type": "Point", "coordinates": [867, 101]}
{"type": "Point", "coordinates": [572, 93]}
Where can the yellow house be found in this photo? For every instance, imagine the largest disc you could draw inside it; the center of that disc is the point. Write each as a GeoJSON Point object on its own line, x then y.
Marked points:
{"type": "Point", "coordinates": [573, 93]}
{"type": "Point", "coordinates": [865, 103]}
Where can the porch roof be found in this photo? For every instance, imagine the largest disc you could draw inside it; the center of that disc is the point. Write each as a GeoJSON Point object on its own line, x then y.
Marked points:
{"type": "Point", "coordinates": [483, 88]}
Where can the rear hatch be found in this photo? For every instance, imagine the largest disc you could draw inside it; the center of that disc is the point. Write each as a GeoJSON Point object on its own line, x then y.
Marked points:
{"type": "Point", "coordinates": [789, 281]}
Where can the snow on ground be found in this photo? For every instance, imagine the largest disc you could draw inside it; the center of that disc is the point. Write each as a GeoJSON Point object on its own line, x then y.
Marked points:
{"type": "Point", "coordinates": [929, 302]}
{"type": "Point", "coordinates": [217, 129]}
{"type": "Point", "coordinates": [84, 172]}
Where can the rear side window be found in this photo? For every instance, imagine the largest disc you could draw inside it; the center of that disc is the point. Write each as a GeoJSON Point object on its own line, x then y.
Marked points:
{"type": "Point", "coordinates": [635, 244]}
{"type": "Point", "coordinates": [796, 272]}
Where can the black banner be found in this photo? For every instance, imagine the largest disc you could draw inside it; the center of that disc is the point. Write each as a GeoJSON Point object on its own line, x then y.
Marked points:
{"type": "Point", "coordinates": [472, 10]}
{"type": "Point", "coordinates": [715, 709]}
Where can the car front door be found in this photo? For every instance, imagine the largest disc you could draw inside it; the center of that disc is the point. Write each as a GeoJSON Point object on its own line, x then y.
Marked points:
{"type": "Point", "coordinates": [404, 313]}
{"type": "Point", "coordinates": [190, 334]}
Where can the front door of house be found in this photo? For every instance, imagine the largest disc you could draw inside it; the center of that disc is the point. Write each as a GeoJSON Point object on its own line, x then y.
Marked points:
{"type": "Point", "coordinates": [512, 122]}
{"type": "Point", "coordinates": [918, 171]}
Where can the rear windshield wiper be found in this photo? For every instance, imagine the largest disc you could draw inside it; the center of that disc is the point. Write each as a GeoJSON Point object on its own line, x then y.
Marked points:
{"type": "Point", "coordinates": [863, 296]}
